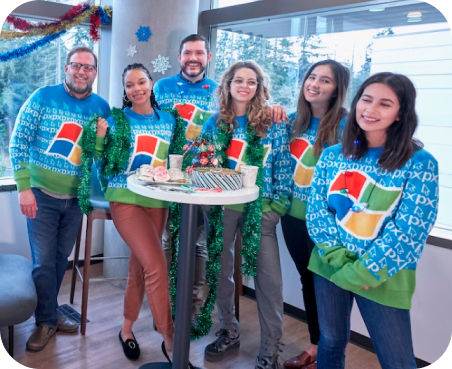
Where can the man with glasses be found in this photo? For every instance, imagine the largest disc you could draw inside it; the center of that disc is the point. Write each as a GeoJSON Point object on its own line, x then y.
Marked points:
{"type": "Point", "coordinates": [46, 160]}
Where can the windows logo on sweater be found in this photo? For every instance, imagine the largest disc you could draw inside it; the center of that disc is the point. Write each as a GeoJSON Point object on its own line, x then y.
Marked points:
{"type": "Point", "coordinates": [380, 200]}
{"type": "Point", "coordinates": [303, 162]}
{"type": "Point", "coordinates": [236, 153]}
{"type": "Point", "coordinates": [65, 143]}
{"type": "Point", "coordinates": [194, 119]}
{"type": "Point", "coordinates": [148, 150]}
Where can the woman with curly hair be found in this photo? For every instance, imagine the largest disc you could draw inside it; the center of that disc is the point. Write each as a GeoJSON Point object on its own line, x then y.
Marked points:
{"type": "Point", "coordinates": [245, 131]}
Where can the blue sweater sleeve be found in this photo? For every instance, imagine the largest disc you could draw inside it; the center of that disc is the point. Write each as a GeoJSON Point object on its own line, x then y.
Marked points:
{"type": "Point", "coordinates": [320, 219]}
{"type": "Point", "coordinates": [24, 133]}
{"type": "Point", "coordinates": [282, 173]}
{"type": "Point", "coordinates": [402, 238]}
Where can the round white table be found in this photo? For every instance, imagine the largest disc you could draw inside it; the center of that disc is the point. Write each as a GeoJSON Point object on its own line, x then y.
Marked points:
{"type": "Point", "coordinates": [186, 259]}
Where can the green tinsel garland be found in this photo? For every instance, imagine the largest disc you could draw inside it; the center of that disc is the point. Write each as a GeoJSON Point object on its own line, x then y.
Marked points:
{"type": "Point", "coordinates": [251, 233]}
{"type": "Point", "coordinates": [114, 157]}
{"type": "Point", "coordinates": [214, 246]}
{"type": "Point", "coordinates": [87, 143]}
{"type": "Point", "coordinates": [253, 210]}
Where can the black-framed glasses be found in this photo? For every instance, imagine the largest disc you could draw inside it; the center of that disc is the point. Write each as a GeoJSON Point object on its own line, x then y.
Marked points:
{"type": "Point", "coordinates": [86, 67]}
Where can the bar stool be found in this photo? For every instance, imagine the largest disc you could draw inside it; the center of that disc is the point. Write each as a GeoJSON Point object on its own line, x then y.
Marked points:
{"type": "Point", "coordinates": [101, 212]}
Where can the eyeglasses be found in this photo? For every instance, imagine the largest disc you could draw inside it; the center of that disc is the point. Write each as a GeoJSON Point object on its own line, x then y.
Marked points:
{"type": "Point", "coordinates": [86, 67]}
{"type": "Point", "coordinates": [251, 83]}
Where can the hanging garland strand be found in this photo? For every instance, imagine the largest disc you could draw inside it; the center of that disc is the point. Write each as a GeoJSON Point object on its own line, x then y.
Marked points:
{"type": "Point", "coordinates": [177, 144]}
{"type": "Point", "coordinates": [253, 210]}
{"type": "Point", "coordinates": [28, 49]}
{"type": "Point", "coordinates": [74, 17]}
{"type": "Point", "coordinates": [87, 143]}
{"type": "Point", "coordinates": [23, 25]}
{"type": "Point", "coordinates": [113, 159]}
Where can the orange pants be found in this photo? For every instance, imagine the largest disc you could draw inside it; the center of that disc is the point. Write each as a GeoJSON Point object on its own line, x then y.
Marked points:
{"type": "Point", "coordinates": [141, 228]}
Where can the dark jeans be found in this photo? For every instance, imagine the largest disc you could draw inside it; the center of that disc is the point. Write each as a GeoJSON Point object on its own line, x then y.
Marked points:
{"type": "Point", "coordinates": [52, 236]}
{"type": "Point", "coordinates": [300, 246]}
{"type": "Point", "coordinates": [389, 328]}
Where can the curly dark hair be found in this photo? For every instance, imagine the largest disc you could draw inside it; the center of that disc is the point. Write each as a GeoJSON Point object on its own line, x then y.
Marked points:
{"type": "Point", "coordinates": [127, 103]}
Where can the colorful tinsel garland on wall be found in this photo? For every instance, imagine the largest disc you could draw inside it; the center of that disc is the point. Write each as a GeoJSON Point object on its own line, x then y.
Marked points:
{"type": "Point", "coordinates": [52, 30]}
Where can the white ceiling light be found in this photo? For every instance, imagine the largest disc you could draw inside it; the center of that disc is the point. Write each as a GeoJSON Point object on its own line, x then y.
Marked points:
{"type": "Point", "coordinates": [416, 14]}
{"type": "Point", "coordinates": [376, 9]}
{"type": "Point", "coordinates": [413, 17]}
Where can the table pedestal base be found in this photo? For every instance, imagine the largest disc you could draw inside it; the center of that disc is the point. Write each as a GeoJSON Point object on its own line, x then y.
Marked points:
{"type": "Point", "coordinates": [160, 366]}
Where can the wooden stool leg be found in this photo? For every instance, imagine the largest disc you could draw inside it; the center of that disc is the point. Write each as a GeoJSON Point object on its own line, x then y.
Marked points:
{"type": "Point", "coordinates": [87, 262]}
{"type": "Point", "coordinates": [238, 274]}
{"type": "Point", "coordinates": [75, 263]}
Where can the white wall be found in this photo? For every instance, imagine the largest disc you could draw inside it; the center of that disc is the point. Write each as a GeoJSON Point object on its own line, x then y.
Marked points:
{"type": "Point", "coordinates": [13, 229]}
{"type": "Point", "coordinates": [432, 302]}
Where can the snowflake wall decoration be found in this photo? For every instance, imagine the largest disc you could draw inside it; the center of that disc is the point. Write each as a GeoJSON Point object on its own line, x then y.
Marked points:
{"type": "Point", "coordinates": [143, 33]}
{"type": "Point", "coordinates": [131, 50]}
{"type": "Point", "coordinates": [161, 64]}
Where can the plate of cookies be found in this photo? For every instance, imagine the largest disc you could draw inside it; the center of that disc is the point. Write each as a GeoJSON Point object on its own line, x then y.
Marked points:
{"type": "Point", "coordinates": [159, 175]}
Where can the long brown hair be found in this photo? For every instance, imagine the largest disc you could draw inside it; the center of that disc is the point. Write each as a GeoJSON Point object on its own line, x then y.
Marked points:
{"type": "Point", "coordinates": [400, 145]}
{"type": "Point", "coordinates": [259, 116]}
{"type": "Point", "coordinates": [328, 129]}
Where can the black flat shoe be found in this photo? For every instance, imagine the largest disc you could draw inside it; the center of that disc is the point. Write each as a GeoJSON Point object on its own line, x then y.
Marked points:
{"type": "Point", "coordinates": [169, 360]}
{"type": "Point", "coordinates": [131, 347]}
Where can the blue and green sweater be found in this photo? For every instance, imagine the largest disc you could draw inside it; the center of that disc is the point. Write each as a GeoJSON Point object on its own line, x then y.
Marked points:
{"type": "Point", "coordinates": [303, 164]}
{"type": "Point", "coordinates": [44, 146]}
{"type": "Point", "coordinates": [381, 245]}
{"type": "Point", "coordinates": [150, 142]}
{"type": "Point", "coordinates": [195, 102]}
{"type": "Point", "coordinates": [277, 174]}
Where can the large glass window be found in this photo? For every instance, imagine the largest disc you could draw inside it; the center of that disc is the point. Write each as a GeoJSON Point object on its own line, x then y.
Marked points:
{"type": "Point", "coordinates": [19, 78]}
{"type": "Point", "coordinates": [226, 3]}
{"type": "Point", "coordinates": [413, 39]}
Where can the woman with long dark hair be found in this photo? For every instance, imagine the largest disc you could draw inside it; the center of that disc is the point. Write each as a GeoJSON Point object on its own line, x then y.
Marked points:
{"type": "Point", "coordinates": [140, 220]}
{"type": "Point", "coordinates": [315, 125]}
{"type": "Point", "coordinates": [374, 199]}
{"type": "Point", "coordinates": [247, 136]}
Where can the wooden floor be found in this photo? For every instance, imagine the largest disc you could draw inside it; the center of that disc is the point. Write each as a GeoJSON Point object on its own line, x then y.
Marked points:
{"type": "Point", "coordinates": [100, 347]}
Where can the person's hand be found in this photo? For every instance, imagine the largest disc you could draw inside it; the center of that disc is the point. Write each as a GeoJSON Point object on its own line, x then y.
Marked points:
{"type": "Point", "coordinates": [366, 288]}
{"type": "Point", "coordinates": [102, 127]}
{"type": "Point", "coordinates": [278, 113]}
{"type": "Point", "coordinates": [27, 202]}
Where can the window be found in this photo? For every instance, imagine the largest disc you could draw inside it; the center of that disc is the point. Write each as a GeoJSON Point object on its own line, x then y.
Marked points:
{"type": "Point", "coordinates": [19, 78]}
{"type": "Point", "coordinates": [226, 3]}
{"type": "Point", "coordinates": [410, 38]}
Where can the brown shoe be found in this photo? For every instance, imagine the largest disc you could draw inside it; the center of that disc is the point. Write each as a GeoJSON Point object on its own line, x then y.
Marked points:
{"type": "Point", "coordinates": [66, 324]}
{"type": "Point", "coordinates": [311, 366]}
{"type": "Point", "coordinates": [299, 361]}
{"type": "Point", "coordinates": [40, 337]}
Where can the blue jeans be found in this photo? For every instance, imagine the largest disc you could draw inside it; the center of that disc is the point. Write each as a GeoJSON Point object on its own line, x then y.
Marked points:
{"type": "Point", "coordinates": [389, 328]}
{"type": "Point", "coordinates": [52, 235]}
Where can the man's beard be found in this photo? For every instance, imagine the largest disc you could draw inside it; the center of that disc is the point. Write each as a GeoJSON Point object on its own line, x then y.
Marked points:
{"type": "Point", "coordinates": [79, 90]}
{"type": "Point", "coordinates": [201, 71]}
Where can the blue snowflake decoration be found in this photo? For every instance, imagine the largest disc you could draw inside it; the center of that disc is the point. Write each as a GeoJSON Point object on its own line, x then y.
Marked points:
{"type": "Point", "coordinates": [143, 33]}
